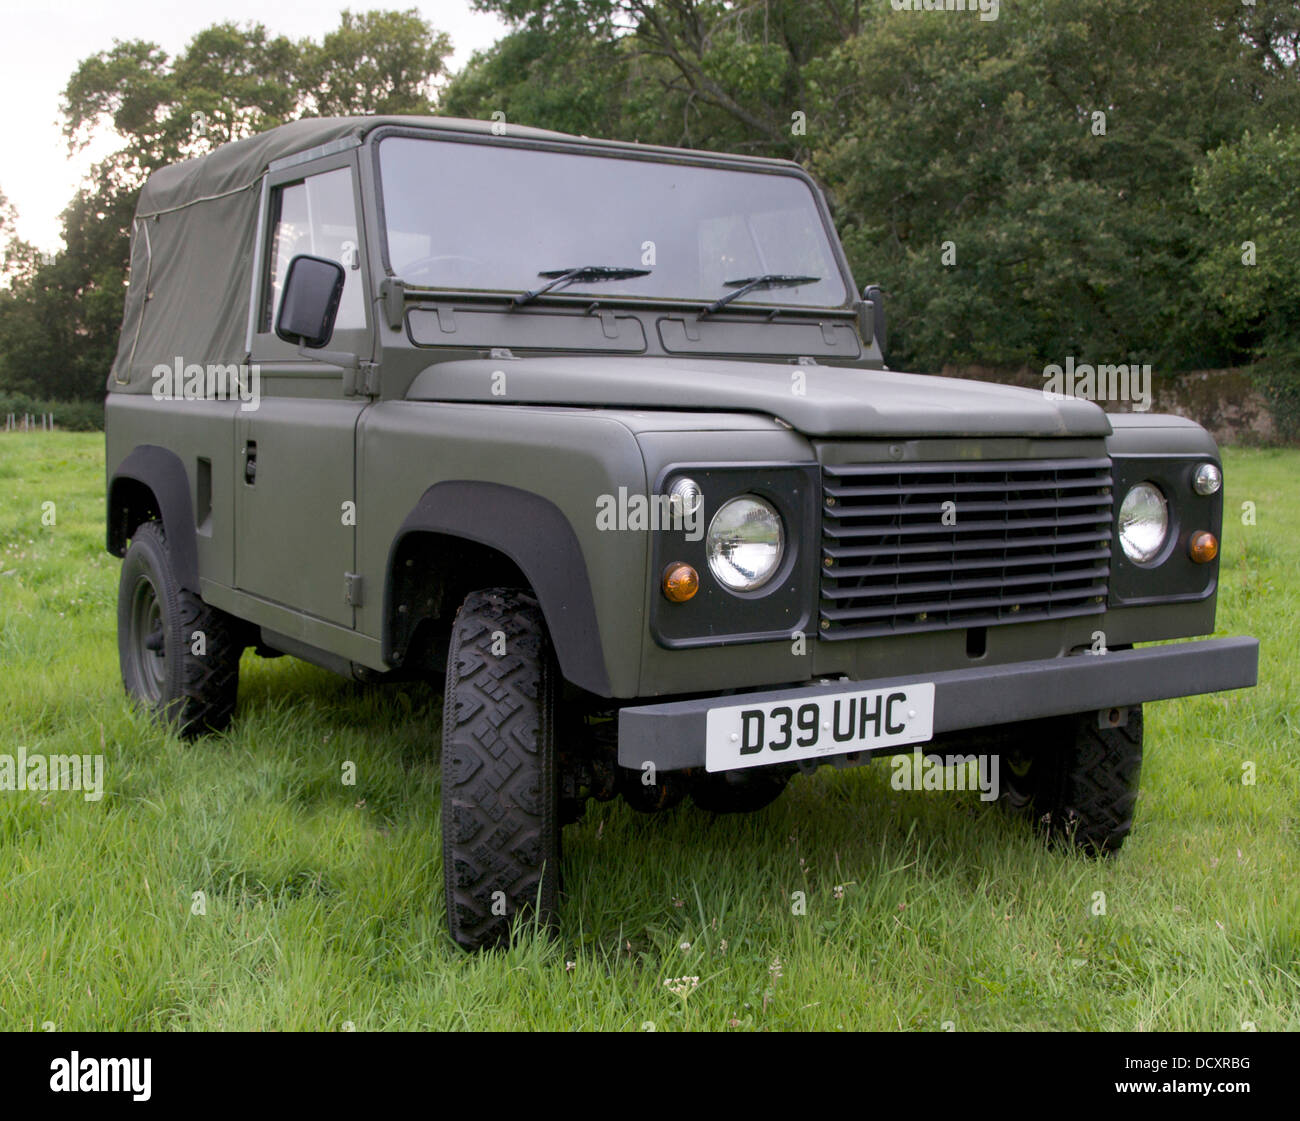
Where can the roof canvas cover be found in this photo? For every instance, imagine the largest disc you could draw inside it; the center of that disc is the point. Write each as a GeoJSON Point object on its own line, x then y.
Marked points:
{"type": "Point", "coordinates": [191, 251]}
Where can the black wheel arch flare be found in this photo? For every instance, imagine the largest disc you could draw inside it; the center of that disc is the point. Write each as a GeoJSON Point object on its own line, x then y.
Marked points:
{"type": "Point", "coordinates": [536, 536]}
{"type": "Point", "coordinates": [161, 473]}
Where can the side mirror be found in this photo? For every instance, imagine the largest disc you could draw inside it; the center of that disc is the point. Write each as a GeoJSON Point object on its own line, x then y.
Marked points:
{"type": "Point", "coordinates": [313, 287]}
{"type": "Point", "coordinates": [879, 326]}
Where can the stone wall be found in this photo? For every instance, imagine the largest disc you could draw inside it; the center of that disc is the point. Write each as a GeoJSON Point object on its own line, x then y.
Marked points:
{"type": "Point", "coordinates": [1225, 401]}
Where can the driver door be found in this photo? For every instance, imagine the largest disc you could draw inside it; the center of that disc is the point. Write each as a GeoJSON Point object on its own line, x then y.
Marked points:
{"type": "Point", "coordinates": [295, 456]}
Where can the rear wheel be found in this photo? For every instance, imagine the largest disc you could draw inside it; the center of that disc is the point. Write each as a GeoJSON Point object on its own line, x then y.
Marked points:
{"type": "Point", "coordinates": [179, 657]}
{"type": "Point", "coordinates": [500, 803]}
{"type": "Point", "coordinates": [1076, 777]}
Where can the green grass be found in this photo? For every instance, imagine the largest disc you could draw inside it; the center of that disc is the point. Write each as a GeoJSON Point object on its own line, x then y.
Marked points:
{"type": "Point", "coordinates": [324, 901]}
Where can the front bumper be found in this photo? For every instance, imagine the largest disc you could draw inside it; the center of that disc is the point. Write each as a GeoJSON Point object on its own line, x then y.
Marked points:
{"type": "Point", "coordinates": [672, 735]}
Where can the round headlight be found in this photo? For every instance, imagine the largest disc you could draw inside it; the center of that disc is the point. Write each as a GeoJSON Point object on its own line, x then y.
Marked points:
{"type": "Point", "coordinates": [1208, 479]}
{"type": "Point", "coordinates": [746, 541]}
{"type": "Point", "coordinates": [1143, 522]}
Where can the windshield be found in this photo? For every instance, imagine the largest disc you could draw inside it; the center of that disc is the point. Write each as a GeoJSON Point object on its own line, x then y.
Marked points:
{"type": "Point", "coordinates": [494, 217]}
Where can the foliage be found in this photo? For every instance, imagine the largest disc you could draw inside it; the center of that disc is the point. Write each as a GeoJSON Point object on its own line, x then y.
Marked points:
{"type": "Point", "coordinates": [1249, 266]}
{"type": "Point", "coordinates": [69, 416]}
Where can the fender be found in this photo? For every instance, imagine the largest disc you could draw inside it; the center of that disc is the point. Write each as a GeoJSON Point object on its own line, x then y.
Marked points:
{"type": "Point", "coordinates": [162, 473]}
{"type": "Point", "coordinates": [533, 533]}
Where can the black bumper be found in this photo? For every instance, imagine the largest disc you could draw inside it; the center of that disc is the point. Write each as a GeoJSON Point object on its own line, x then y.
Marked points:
{"type": "Point", "coordinates": [672, 735]}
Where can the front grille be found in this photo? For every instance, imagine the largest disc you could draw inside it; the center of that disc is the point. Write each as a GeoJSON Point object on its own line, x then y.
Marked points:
{"type": "Point", "coordinates": [1028, 540]}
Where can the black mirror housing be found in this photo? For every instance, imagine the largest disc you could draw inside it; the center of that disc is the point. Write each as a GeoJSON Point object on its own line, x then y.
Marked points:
{"type": "Point", "coordinates": [880, 328]}
{"type": "Point", "coordinates": [313, 287]}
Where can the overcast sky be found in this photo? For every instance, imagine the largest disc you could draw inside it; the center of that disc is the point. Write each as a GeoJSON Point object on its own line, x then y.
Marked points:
{"type": "Point", "coordinates": [47, 38]}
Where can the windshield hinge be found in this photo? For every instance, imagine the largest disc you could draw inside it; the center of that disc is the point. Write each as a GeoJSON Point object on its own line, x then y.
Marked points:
{"type": "Point", "coordinates": [361, 382]}
{"type": "Point", "coordinates": [369, 379]}
{"type": "Point", "coordinates": [392, 292]}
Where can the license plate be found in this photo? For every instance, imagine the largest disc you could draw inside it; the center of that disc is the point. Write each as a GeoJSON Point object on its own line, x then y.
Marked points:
{"type": "Point", "coordinates": [755, 735]}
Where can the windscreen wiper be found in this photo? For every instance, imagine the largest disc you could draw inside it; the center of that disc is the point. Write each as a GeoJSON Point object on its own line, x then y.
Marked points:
{"type": "Point", "coordinates": [561, 277]}
{"type": "Point", "coordinates": [749, 283]}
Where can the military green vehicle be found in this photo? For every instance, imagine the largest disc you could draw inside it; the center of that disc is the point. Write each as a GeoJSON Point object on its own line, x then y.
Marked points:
{"type": "Point", "coordinates": [604, 433]}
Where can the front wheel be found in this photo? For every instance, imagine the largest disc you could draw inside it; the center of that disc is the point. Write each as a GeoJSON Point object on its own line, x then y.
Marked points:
{"type": "Point", "coordinates": [1076, 777]}
{"type": "Point", "coordinates": [500, 801]}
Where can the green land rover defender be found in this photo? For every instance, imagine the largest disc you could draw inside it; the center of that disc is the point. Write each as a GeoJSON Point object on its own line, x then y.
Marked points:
{"type": "Point", "coordinates": [603, 433]}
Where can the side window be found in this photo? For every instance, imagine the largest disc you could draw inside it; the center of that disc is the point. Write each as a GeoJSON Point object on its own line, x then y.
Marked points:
{"type": "Point", "coordinates": [316, 216]}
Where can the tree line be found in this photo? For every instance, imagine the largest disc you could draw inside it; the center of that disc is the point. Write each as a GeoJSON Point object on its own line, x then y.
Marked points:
{"type": "Point", "coordinates": [1113, 180]}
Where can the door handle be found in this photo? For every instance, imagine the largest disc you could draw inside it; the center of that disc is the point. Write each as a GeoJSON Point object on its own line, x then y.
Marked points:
{"type": "Point", "coordinates": [250, 462]}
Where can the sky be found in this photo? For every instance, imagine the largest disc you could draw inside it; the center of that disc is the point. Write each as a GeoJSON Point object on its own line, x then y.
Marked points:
{"type": "Point", "coordinates": [48, 38]}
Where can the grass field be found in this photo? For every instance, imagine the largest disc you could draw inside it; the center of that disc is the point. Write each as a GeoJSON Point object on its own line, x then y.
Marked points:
{"type": "Point", "coordinates": [323, 901]}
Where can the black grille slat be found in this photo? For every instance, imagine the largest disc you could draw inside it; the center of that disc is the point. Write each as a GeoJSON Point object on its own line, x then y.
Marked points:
{"type": "Point", "coordinates": [913, 530]}
{"type": "Point", "coordinates": [893, 590]}
{"type": "Point", "coordinates": [975, 564]}
{"type": "Point", "coordinates": [975, 620]}
{"type": "Point", "coordinates": [920, 509]}
{"type": "Point", "coordinates": [967, 467]}
{"type": "Point", "coordinates": [837, 551]}
{"type": "Point", "coordinates": [959, 488]}
{"type": "Point", "coordinates": [1031, 541]}
{"type": "Point", "coordinates": [927, 606]}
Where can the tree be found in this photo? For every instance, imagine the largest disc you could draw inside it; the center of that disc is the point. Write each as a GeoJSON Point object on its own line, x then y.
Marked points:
{"type": "Point", "coordinates": [1249, 270]}
{"type": "Point", "coordinates": [375, 62]}
{"type": "Point", "coordinates": [1024, 195]}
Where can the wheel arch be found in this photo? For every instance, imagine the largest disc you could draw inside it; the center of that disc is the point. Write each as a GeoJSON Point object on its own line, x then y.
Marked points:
{"type": "Point", "coordinates": [151, 483]}
{"type": "Point", "coordinates": [463, 535]}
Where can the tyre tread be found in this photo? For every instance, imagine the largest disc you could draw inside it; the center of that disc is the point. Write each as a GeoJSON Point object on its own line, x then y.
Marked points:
{"type": "Point", "coordinates": [499, 797]}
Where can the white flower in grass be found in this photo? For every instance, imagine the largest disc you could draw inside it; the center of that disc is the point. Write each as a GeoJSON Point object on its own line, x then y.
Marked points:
{"type": "Point", "coordinates": [681, 986]}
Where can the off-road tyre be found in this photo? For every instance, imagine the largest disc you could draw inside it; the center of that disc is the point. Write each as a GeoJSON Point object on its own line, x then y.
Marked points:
{"type": "Point", "coordinates": [1074, 779]}
{"type": "Point", "coordinates": [160, 626]}
{"type": "Point", "coordinates": [500, 789]}
{"type": "Point", "coordinates": [738, 792]}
